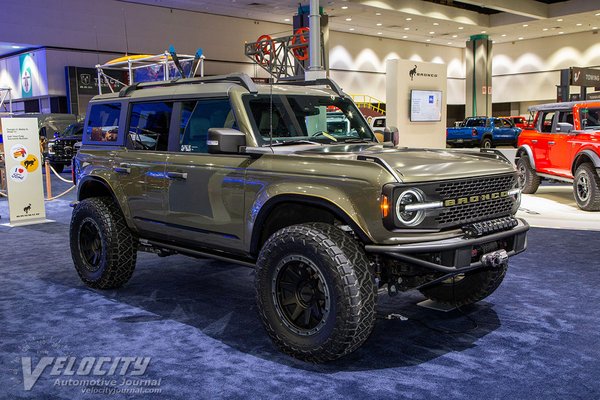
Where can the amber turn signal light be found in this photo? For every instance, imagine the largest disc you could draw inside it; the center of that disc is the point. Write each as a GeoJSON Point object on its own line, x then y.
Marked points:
{"type": "Point", "coordinates": [385, 206]}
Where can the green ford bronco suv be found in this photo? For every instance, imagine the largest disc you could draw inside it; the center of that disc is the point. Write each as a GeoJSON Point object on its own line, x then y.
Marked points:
{"type": "Point", "coordinates": [290, 180]}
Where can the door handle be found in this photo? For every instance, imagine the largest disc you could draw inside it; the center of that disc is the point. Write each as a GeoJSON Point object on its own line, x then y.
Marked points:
{"type": "Point", "coordinates": [534, 141]}
{"type": "Point", "coordinates": [552, 142]}
{"type": "Point", "coordinates": [123, 168]}
{"type": "Point", "coordinates": [177, 175]}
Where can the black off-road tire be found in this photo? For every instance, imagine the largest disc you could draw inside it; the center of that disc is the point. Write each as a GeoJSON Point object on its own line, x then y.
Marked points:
{"type": "Point", "coordinates": [586, 188]}
{"type": "Point", "coordinates": [58, 167]}
{"type": "Point", "coordinates": [486, 143]}
{"type": "Point", "coordinates": [468, 289]}
{"type": "Point", "coordinates": [528, 178]}
{"type": "Point", "coordinates": [350, 284]}
{"type": "Point", "coordinates": [103, 248]}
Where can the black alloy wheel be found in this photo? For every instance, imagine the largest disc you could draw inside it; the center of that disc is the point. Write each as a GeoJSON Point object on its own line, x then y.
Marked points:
{"type": "Point", "coordinates": [300, 295]}
{"type": "Point", "coordinates": [586, 187]}
{"type": "Point", "coordinates": [90, 244]}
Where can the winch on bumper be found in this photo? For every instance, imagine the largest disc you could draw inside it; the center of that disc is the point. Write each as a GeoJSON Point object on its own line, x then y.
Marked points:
{"type": "Point", "coordinates": [472, 250]}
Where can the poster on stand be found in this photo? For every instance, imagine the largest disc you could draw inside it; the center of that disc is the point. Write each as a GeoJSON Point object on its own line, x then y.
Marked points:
{"type": "Point", "coordinates": [23, 171]}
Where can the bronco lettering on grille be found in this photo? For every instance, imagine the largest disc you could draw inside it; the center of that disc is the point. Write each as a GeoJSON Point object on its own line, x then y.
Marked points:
{"type": "Point", "coordinates": [474, 199]}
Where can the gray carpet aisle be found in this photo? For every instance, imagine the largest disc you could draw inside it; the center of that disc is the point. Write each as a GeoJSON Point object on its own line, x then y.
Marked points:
{"type": "Point", "coordinates": [536, 337]}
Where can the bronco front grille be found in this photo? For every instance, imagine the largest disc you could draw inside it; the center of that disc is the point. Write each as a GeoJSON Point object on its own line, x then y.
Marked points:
{"type": "Point", "coordinates": [475, 211]}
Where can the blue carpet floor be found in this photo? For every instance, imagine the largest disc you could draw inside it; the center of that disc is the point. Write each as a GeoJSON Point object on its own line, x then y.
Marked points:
{"type": "Point", "coordinates": [537, 337]}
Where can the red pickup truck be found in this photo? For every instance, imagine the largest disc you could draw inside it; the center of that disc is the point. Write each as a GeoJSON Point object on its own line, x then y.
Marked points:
{"type": "Point", "coordinates": [563, 144]}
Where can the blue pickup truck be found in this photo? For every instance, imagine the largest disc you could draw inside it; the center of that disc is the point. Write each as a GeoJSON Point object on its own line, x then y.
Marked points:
{"type": "Point", "coordinates": [483, 132]}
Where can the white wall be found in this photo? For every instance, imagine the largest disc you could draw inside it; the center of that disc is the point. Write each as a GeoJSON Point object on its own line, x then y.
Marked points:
{"type": "Point", "coordinates": [529, 70]}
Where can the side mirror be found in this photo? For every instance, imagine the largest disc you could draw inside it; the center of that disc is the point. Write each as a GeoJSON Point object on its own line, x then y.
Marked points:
{"type": "Point", "coordinates": [564, 127]}
{"type": "Point", "coordinates": [391, 134]}
{"type": "Point", "coordinates": [225, 140]}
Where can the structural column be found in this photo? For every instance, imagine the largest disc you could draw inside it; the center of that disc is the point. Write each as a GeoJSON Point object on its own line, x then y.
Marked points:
{"type": "Point", "coordinates": [479, 76]}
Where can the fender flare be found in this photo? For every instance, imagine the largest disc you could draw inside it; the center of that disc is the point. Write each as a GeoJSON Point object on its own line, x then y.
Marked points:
{"type": "Point", "coordinates": [306, 199]}
{"type": "Point", "coordinates": [525, 148]}
{"type": "Point", "coordinates": [590, 154]}
{"type": "Point", "coordinates": [99, 180]}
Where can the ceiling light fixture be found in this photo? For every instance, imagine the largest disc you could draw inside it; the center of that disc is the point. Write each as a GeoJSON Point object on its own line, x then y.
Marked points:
{"type": "Point", "coordinates": [545, 29]}
{"type": "Point", "coordinates": [287, 20]}
{"type": "Point", "coordinates": [597, 14]}
{"type": "Point", "coordinates": [579, 24]}
{"type": "Point", "coordinates": [559, 20]}
{"type": "Point", "coordinates": [460, 28]}
{"type": "Point", "coordinates": [344, 7]}
{"type": "Point", "coordinates": [404, 37]}
{"type": "Point", "coordinates": [351, 29]}
{"type": "Point", "coordinates": [525, 25]}
{"type": "Point", "coordinates": [560, 33]}
{"type": "Point", "coordinates": [504, 35]}
{"type": "Point", "coordinates": [348, 19]}
{"type": "Point", "coordinates": [449, 42]}
{"type": "Point", "coordinates": [377, 13]}
{"type": "Point", "coordinates": [454, 36]}
{"type": "Point", "coordinates": [483, 31]}
{"type": "Point", "coordinates": [432, 33]}
{"type": "Point", "coordinates": [406, 29]}
{"type": "Point", "coordinates": [409, 19]}
{"type": "Point", "coordinates": [14, 46]}
{"type": "Point", "coordinates": [379, 24]}
{"type": "Point", "coordinates": [428, 40]}
{"type": "Point", "coordinates": [520, 38]}
{"type": "Point", "coordinates": [380, 33]}
{"type": "Point", "coordinates": [435, 24]}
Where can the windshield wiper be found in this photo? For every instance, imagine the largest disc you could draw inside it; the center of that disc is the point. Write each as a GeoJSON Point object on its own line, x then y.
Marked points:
{"type": "Point", "coordinates": [357, 140]}
{"type": "Point", "coordinates": [293, 142]}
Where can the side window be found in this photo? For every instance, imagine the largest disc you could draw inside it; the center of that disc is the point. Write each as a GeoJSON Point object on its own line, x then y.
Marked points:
{"type": "Point", "coordinates": [197, 117]}
{"type": "Point", "coordinates": [103, 122]}
{"type": "Point", "coordinates": [546, 121]}
{"type": "Point", "coordinates": [504, 123]}
{"type": "Point", "coordinates": [149, 126]}
{"type": "Point", "coordinates": [565, 118]}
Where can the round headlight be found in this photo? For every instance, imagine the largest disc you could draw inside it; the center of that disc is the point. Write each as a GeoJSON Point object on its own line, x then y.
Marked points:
{"type": "Point", "coordinates": [410, 217]}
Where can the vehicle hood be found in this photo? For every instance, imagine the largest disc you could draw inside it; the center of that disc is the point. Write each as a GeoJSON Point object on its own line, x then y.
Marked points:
{"type": "Point", "coordinates": [420, 165]}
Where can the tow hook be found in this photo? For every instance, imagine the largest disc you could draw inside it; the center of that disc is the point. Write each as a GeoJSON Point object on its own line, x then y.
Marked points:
{"type": "Point", "coordinates": [495, 259]}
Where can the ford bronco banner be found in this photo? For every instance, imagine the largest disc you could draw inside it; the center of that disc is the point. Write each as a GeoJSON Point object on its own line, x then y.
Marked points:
{"type": "Point", "coordinates": [23, 170]}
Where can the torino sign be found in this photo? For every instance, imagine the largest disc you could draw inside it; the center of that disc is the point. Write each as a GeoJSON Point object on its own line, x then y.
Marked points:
{"type": "Point", "coordinates": [584, 76]}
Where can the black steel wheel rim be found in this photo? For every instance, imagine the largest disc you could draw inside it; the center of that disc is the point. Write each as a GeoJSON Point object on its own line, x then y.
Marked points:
{"type": "Point", "coordinates": [301, 295]}
{"type": "Point", "coordinates": [522, 177]}
{"type": "Point", "coordinates": [583, 187]}
{"type": "Point", "coordinates": [90, 244]}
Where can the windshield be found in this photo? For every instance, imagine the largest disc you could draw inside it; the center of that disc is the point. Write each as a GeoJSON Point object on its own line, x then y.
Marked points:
{"type": "Point", "coordinates": [590, 118]}
{"type": "Point", "coordinates": [73, 130]}
{"type": "Point", "coordinates": [319, 119]}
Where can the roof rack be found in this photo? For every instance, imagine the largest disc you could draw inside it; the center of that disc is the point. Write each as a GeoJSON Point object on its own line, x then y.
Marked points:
{"type": "Point", "coordinates": [239, 78]}
{"type": "Point", "coordinates": [323, 81]}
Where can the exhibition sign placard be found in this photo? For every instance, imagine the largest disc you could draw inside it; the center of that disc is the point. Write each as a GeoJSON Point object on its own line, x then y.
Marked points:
{"type": "Point", "coordinates": [23, 170]}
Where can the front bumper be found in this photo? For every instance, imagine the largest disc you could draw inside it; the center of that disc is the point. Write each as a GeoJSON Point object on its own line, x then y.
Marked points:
{"type": "Point", "coordinates": [458, 254]}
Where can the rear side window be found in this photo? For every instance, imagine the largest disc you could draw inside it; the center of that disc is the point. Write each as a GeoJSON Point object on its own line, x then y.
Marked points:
{"type": "Point", "coordinates": [103, 123]}
{"type": "Point", "coordinates": [197, 117]}
{"type": "Point", "coordinates": [149, 126]}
